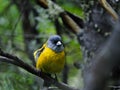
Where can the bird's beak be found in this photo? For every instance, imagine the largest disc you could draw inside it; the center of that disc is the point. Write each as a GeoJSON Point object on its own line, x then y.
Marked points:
{"type": "Point", "coordinates": [58, 43]}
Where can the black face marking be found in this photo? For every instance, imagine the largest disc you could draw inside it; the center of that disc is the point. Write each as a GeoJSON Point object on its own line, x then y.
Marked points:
{"type": "Point", "coordinates": [55, 41]}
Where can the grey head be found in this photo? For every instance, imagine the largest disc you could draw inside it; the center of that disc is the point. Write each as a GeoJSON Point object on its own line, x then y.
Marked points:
{"type": "Point", "coordinates": [55, 43]}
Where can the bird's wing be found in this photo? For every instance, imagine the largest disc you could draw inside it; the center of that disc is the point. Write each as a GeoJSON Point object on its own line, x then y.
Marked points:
{"type": "Point", "coordinates": [38, 52]}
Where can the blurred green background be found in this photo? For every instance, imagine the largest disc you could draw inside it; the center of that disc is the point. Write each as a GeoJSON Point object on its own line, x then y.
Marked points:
{"type": "Point", "coordinates": [12, 40]}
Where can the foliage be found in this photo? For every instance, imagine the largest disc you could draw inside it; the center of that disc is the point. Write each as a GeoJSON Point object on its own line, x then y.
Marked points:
{"type": "Point", "coordinates": [12, 41]}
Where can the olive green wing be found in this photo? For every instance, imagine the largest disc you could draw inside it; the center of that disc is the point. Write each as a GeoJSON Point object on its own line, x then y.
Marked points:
{"type": "Point", "coordinates": [38, 52]}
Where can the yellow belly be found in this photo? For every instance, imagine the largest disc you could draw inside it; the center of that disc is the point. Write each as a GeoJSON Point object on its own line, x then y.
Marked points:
{"type": "Point", "coordinates": [51, 62]}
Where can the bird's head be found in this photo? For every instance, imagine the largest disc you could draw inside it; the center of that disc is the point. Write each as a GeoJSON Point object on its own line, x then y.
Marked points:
{"type": "Point", "coordinates": [55, 43]}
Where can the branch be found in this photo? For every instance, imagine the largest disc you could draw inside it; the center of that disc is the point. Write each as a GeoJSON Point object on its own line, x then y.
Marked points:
{"type": "Point", "coordinates": [69, 22]}
{"type": "Point", "coordinates": [8, 58]}
{"type": "Point", "coordinates": [109, 9]}
{"type": "Point", "coordinates": [74, 25]}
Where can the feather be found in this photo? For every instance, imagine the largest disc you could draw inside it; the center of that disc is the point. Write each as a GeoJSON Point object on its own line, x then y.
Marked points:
{"type": "Point", "coordinates": [38, 52]}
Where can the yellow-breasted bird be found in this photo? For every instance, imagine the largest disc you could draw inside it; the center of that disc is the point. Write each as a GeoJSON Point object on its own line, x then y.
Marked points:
{"type": "Point", "coordinates": [51, 57]}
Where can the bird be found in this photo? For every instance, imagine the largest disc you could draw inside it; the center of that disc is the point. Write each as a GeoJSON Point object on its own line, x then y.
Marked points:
{"type": "Point", "coordinates": [50, 58]}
